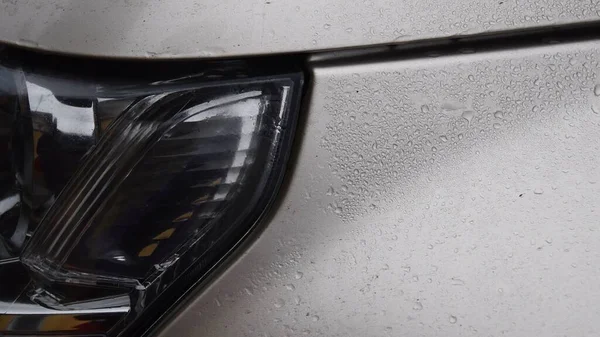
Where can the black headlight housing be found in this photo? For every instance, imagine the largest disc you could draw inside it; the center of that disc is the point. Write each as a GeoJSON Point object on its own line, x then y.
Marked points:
{"type": "Point", "coordinates": [123, 183]}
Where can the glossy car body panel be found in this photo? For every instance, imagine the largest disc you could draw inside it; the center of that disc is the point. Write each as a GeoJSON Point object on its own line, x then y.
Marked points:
{"type": "Point", "coordinates": [193, 28]}
{"type": "Point", "coordinates": [454, 196]}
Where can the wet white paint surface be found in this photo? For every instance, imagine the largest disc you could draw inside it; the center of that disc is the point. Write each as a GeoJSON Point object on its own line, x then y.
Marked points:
{"type": "Point", "coordinates": [451, 196]}
{"type": "Point", "coordinates": [194, 28]}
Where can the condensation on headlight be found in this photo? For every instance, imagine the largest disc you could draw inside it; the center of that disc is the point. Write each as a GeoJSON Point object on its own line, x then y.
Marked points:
{"type": "Point", "coordinates": [117, 191]}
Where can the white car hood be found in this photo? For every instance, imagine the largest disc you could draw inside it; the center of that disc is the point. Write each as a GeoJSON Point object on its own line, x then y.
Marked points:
{"type": "Point", "coordinates": [193, 28]}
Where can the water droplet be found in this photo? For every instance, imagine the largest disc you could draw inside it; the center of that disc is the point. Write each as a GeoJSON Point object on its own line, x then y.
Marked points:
{"type": "Point", "coordinates": [416, 278]}
{"type": "Point", "coordinates": [315, 318]}
{"type": "Point", "coordinates": [597, 90]}
{"type": "Point", "coordinates": [278, 303]}
{"type": "Point", "coordinates": [452, 319]}
{"type": "Point", "coordinates": [424, 108]}
{"type": "Point", "coordinates": [444, 138]}
{"type": "Point", "coordinates": [538, 191]}
{"type": "Point", "coordinates": [457, 282]}
{"type": "Point", "coordinates": [406, 269]}
{"type": "Point", "coordinates": [290, 287]}
{"type": "Point", "coordinates": [468, 115]}
{"type": "Point", "coordinates": [330, 190]}
{"type": "Point", "coordinates": [299, 275]}
{"type": "Point", "coordinates": [348, 30]}
{"type": "Point", "coordinates": [326, 26]}
{"type": "Point", "coordinates": [418, 306]}
{"type": "Point", "coordinates": [548, 240]}
{"type": "Point", "coordinates": [372, 206]}
{"type": "Point", "coordinates": [338, 210]}
{"type": "Point", "coordinates": [496, 126]}
{"type": "Point", "coordinates": [499, 114]}
{"type": "Point", "coordinates": [500, 290]}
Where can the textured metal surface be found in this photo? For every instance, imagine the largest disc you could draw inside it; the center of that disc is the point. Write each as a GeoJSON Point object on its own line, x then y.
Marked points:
{"type": "Point", "coordinates": [194, 28]}
{"type": "Point", "coordinates": [452, 196]}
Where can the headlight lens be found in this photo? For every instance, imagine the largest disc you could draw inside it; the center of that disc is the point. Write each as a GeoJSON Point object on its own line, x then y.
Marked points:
{"type": "Point", "coordinates": [117, 191]}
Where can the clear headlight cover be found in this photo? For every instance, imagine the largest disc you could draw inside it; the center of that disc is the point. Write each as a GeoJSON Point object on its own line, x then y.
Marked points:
{"type": "Point", "coordinates": [172, 170]}
{"type": "Point", "coordinates": [127, 187]}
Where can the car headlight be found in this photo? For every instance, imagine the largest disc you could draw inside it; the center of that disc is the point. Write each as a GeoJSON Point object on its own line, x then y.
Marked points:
{"type": "Point", "coordinates": [120, 191]}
